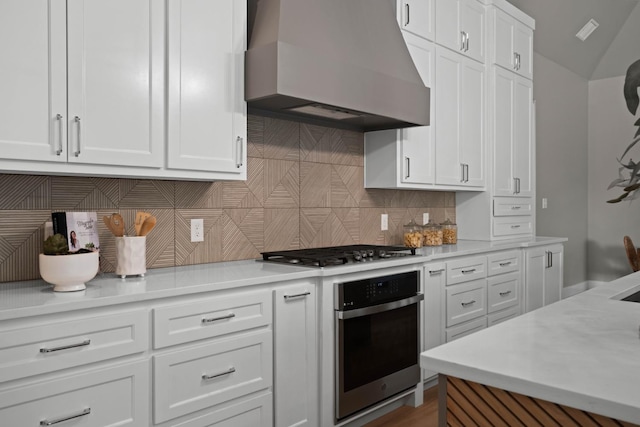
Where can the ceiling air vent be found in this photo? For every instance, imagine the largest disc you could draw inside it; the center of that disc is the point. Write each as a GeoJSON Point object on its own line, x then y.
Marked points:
{"type": "Point", "coordinates": [588, 28]}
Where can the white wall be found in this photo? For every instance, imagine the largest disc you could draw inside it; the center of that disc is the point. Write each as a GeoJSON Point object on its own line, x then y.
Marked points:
{"type": "Point", "coordinates": [611, 130]}
{"type": "Point", "coordinates": [561, 156]}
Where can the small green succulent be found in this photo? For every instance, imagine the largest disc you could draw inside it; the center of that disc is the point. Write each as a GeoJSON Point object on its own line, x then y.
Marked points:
{"type": "Point", "coordinates": [56, 245]}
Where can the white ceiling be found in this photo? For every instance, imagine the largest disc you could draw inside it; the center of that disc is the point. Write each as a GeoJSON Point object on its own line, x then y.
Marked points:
{"type": "Point", "coordinates": [558, 21]}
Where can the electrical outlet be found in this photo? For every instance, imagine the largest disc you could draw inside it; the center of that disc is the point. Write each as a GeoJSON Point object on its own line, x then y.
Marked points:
{"type": "Point", "coordinates": [425, 218]}
{"type": "Point", "coordinates": [384, 222]}
{"type": "Point", "coordinates": [544, 203]}
{"type": "Point", "coordinates": [197, 230]}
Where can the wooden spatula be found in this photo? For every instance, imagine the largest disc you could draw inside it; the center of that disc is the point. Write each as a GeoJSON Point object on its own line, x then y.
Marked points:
{"type": "Point", "coordinates": [117, 224]}
{"type": "Point", "coordinates": [147, 225]}
{"type": "Point", "coordinates": [107, 222]}
{"type": "Point", "coordinates": [140, 217]}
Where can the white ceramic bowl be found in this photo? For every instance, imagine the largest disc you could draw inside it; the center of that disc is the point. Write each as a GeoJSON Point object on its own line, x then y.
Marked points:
{"type": "Point", "coordinates": [69, 272]}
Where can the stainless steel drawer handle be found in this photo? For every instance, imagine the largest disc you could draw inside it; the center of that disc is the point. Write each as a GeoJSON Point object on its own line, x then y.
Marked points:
{"type": "Point", "coordinates": [65, 347]}
{"type": "Point", "coordinates": [467, 304]}
{"type": "Point", "coordinates": [408, 162]}
{"type": "Point", "coordinates": [240, 151]}
{"type": "Point", "coordinates": [77, 120]}
{"type": "Point", "coordinates": [504, 264]}
{"type": "Point", "coordinates": [304, 294]}
{"type": "Point", "coordinates": [59, 119]}
{"type": "Point", "coordinates": [515, 226]}
{"type": "Point", "coordinates": [471, 270]}
{"type": "Point", "coordinates": [67, 418]}
{"type": "Point", "coordinates": [221, 374]}
{"type": "Point", "coordinates": [207, 320]}
{"type": "Point", "coordinates": [505, 293]}
{"type": "Point", "coordinates": [408, 14]}
{"type": "Point", "coordinates": [515, 207]}
{"type": "Point", "coordinates": [436, 271]}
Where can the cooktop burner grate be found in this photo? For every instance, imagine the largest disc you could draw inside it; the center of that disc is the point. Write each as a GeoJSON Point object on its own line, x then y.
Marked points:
{"type": "Point", "coordinates": [337, 255]}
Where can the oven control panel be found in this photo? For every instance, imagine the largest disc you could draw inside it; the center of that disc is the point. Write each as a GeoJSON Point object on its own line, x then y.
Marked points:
{"type": "Point", "coordinates": [377, 290]}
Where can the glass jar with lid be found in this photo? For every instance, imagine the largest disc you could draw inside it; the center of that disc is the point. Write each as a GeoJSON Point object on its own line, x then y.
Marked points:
{"type": "Point", "coordinates": [412, 235]}
{"type": "Point", "coordinates": [432, 234]}
{"type": "Point", "coordinates": [449, 232]}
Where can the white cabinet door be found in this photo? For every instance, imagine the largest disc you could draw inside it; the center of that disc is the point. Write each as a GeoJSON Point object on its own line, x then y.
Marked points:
{"type": "Point", "coordinates": [434, 283]}
{"type": "Point", "coordinates": [417, 17]}
{"type": "Point", "coordinates": [461, 27]}
{"type": "Point", "coordinates": [460, 94]}
{"type": "Point", "coordinates": [543, 276]}
{"type": "Point", "coordinates": [513, 134]}
{"type": "Point", "coordinates": [116, 82]}
{"type": "Point", "coordinates": [513, 44]}
{"type": "Point", "coordinates": [206, 108]}
{"type": "Point", "coordinates": [418, 153]}
{"type": "Point", "coordinates": [33, 87]}
{"type": "Point", "coordinates": [295, 349]}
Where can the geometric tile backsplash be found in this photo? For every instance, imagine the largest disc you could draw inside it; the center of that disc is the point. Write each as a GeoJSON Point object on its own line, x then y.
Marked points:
{"type": "Point", "coordinates": [304, 188]}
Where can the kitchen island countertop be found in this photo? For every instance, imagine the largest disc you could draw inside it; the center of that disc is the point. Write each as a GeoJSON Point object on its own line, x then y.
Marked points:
{"type": "Point", "coordinates": [582, 352]}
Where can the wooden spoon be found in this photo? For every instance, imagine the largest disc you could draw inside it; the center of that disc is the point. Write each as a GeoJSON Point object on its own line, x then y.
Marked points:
{"type": "Point", "coordinates": [140, 218]}
{"type": "Point", "coordinates": [147, 225]}
{"type": "Point", "coordinates": [118, 225]}
{"type": "Point", "coordinates": [107, 222]}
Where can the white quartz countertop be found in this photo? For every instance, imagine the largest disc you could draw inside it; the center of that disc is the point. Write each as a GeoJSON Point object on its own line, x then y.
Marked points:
{"type": "Point", "coordinates": [582, 352]}
{"type": "Point", "coordinates": [35, 297]}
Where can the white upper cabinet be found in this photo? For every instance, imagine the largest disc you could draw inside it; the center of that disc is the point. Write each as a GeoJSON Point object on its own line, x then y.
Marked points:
{"type": "Point", "coordinates": [460, 118]}
{"type": "Point", "coordinates": [460, 26]}
{"type": "Point", "coordinates": [206, 108]}
{"type": "Point", "coordinates": [417, 17]}
{"type": "Point", "coordinates": [513, 44]}
{"type": "Point", "coordinates": [513, 134]}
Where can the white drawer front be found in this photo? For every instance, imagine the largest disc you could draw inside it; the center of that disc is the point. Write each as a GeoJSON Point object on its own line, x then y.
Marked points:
{"type": "Point", "coordinates": [203, 376]}
{"type": "Point", "coordinates": [52, 346]}
{"type": "Point", "coordinates": [512, 226]}
{"type": "Point", "coordinates": [105, 397]}
{"type": "Point", "coordinates": [466, 269]}
{"type": "Point", "coordinates": [466, 301]}
{"type": "Point", "coordinates": [503, 262]}
{"type": "Point", "coordinates": [503, 291]}
{"type": "Point", "coordinates": [177, 324]}
{"type": "Point", "coordinates": [253, 412]}
{"type": "Point", "coordinates": [510, 206]}
{"type": "Point", "coordinates": [501, 316]}
{"type": "Point", "coordinates": [466, 329]}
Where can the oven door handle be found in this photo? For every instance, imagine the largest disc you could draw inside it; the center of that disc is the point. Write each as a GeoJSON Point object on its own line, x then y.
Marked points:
{"type": "Point", "coordinates": [366, 311]}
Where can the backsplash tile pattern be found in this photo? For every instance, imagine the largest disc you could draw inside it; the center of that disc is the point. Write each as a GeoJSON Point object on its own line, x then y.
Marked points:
{"type": "Point", "coordinates": [304, 188]}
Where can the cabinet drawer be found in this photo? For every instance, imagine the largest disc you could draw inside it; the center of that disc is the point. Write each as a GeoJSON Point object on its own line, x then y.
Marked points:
{"type": "Point", "coordinates": [177, 324]}
{"type": "Point", "coordinates": [252, 412]}
{"type": "Point", "coordinates": [466, 329]}
{"type": "Point", "coordinates": [106, 397]}
{"type": "Point", "coordinates": [503, 262]}
{"type": "Point", "coordinates": [52, 346]}
{"type": "Point", "coordinates": [466, 301]}
{"type": "Point", "coordinates": [503, 315]}
{"type": "Point", "coordinates": [203, 376]}
{"type": "Point", "coordinates": [512, 226]}
{"type": "Point", "coordinates": [512, 206]}
{"type": "Point", "coordinates": [503, 291]}
{"type": "Point", "coordinates": [466, 269]}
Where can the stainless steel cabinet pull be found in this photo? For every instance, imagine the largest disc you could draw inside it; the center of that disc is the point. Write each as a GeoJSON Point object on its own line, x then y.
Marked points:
{"type": "Point", "coordinates": [462, 40]}
{"type": "Point", "coordinates": [304, 294]}
{"type": "Point", "coordinates": [59, 119]}
{"type": "Point", "coordinates": [505, 293]}
{"type": "Point", "coordinates": [466, 304]}
{"type": "Point", "coordinates": [466, 47]}
{"type": "Point", "coordinates": [408, 167]}
{"type": "Point", "coordinates": [408, 14]}
{"type": "Point", "coordinates": [504, 264]}
{"type": "Point", "coordinates": [466, 178]}
{"type": "Point", "coordinates": [462, 171]}
{"type": "Point", "coordinates": [515, 226]}
{"type": "Point", "coordinates": [240, 151]}
{"type": "Point", "coordinates": [517, 185]}
{"type": "Point", "coordinates": [549, 259]}
{"type": "Point", "coordinates": [436, 271]}
{"type": "Point", "coordinates": [67, 418]}
{"type": "Point", "coordinates": [77, 120]}
{"type": "Point", "coordinates": [65, 347]}
{"type": "Point", "coordinates": [206, 320]}
{"type": "Point", "coordinates": [471, 270]}
{"type": "Point", "coordinates": [515, 207]}
{"type": "Point", "coordinates": [231, 370]}
{"type": "Point", "coordinates": [518, 61]}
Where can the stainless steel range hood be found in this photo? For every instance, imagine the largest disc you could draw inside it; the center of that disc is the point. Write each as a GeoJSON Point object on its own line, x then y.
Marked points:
{"type": "Point", "coordinates": [342, 63]}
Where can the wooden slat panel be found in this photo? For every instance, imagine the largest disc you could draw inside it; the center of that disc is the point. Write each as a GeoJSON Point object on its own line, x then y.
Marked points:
{"type": "Point", "coordinates": [470, 403]}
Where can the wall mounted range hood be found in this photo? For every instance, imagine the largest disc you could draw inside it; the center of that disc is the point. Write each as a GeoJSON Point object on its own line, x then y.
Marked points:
{"type": "Point", "coordinates": [342, 63]}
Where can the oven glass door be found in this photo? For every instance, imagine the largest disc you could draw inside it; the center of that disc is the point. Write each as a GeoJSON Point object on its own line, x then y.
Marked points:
{"type": "Point", "coordinates": [377, 356]}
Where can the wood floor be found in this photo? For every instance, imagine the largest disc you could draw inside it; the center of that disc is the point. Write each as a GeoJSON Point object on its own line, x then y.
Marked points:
{"type": "Point", "coordinates": [405, 416]}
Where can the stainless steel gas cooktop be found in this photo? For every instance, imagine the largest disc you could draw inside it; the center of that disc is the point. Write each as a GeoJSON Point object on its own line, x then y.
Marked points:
{"type": "Point", "coordinates": [338, 255]}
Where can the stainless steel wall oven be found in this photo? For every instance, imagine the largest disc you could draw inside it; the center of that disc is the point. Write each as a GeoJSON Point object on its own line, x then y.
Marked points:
{"type": "Point", "coordinates": [377, 340]}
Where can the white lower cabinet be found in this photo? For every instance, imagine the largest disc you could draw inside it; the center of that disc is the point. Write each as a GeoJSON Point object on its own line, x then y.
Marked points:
{"type": "Point", "coordinates": [296, 384]}
{"type": "Point", "coordinates": [115, 396]}
{"type": "Point", "coordinates": [434, 283]}
{"type": "Point", "coordinates": [543, 276]}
